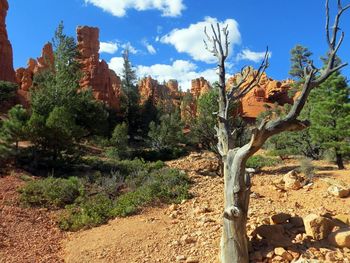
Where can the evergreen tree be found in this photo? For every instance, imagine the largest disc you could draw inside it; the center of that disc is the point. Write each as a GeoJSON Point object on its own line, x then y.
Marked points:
{"type": "Point", "coordinates": [130, 96]}
{"type": "Point", "coordinates": [62, 114]}
{"type": "Point", "coordinates": [330, 116]}
{"type": "Point", "coordinates": [300, 56]}
{"type": "Point", "coordinates": [7, 90]}
{"type": "Point", "coordinates": [13, 130]}
{"type": "Point", "coordinates": [168, 133]}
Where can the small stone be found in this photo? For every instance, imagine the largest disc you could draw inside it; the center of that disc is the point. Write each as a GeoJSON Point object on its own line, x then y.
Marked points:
{"type": "Point", "coordinates": [173, 207]}
{"type": "Point", "coordinates": [192, 260]}
{"type": "Point", "coordinates": [338, 191]}
{"type": "Point", "coordinates": [187, 239]}
{"type": "Point", "coordinates": [279, 251]}
{"type": "Point", "coordinates": [181, 258]}
{"type": "Point", "coordinates": [291, 180]}
{"type": "Point", "coordinates": [340, 238]}
{"type": "Point", "coordinates": [318, 227]}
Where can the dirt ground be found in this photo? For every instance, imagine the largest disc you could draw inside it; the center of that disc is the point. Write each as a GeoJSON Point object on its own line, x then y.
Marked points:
{"type": "Point", "coordinates": [188, 232]}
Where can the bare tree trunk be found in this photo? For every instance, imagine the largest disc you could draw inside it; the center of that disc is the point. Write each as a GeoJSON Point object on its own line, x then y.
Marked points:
{"type": "Point", "coordinates": [234, 240]}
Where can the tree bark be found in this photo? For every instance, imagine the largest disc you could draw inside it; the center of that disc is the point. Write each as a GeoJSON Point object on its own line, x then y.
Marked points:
{"type": "Point", "coordinates": [339, 161]}
{"type": "Point", "coordinates": [234, 240]}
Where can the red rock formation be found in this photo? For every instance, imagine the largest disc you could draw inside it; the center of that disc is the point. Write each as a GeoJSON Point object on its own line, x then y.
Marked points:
{"type": "Point", "coordinates": [7, 72]}
{"type": "Point", "coordinates": [151, 90]}
{"type": "Point", "coordinates": [199, 87]}
{"type": "Point", "coordinates": [24, 76]}
{"type": "Point", "coordinates": [105, 84]}
{"type": "Point", "coordinates": [268, 93]}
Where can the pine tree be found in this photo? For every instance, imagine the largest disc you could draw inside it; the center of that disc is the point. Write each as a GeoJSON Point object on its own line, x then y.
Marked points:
{"type": "Point", "coordinates": [330, 116]}
{"type": "Point", "coordinates": [130, 95]}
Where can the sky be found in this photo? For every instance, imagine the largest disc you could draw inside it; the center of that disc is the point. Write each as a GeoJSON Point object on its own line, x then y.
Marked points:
{"type": "Point", "coordinates": [165, 37]}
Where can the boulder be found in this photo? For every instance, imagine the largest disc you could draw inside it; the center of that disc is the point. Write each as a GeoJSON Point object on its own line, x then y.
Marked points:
{"type": "Point", "coordinates": [340, 238]}
{"type": "Point", "coordinates": [292, 180]}
{"type": "Point", "coordinates": [338, 191]}
{"type": "Point", "coordinates": [318, 227]}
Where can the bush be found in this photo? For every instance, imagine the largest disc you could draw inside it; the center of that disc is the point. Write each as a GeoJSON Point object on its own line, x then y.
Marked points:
{"type": "Point", "coordinates": [307, 167]}
{"type": "Point", "coordinates": [257, 162]}
{"type": "Point", "coordinates": [52, 192]}
{"type": "Point", "coordinates": [92, 212]}
{"type": "Point", "coordinates": [165, 185]}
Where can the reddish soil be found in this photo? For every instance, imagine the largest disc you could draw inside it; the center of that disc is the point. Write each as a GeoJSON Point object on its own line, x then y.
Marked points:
{"type": "Point", "coordinates": [26, 234]}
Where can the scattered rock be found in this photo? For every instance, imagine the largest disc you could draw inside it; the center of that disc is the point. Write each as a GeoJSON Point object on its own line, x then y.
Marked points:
{"type": "Point", "coordinates": [338, 191]}
{"type": "Point", "coordinates": [192, 260]}
{"type": "Point", "coordinates": [181, 258]}
{"type": "Point", "coordinates": [318, 227]}
{"type": "Point", "coordinates": [292, 180]}
{"type": "Point", "coordinates": [340, 238]}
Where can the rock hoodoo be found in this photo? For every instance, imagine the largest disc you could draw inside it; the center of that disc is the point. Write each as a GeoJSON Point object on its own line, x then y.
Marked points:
{"type": "Point", "coordinates": [150, 90]}
{"type": "Point", "coordinates": [105, 84]}
{"type": "Point", "coordinates": [265, 95]}
{"type": "Point", "coordinates": [24, 76]}
{"type": "Point", "coordinates": [7, 72]}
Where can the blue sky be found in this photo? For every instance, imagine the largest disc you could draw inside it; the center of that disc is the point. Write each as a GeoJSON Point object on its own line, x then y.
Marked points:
{"type": "Point", "coordinates": [166, 35]}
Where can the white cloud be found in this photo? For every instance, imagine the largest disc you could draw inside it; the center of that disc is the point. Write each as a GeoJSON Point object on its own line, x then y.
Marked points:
{"type": "Point", "coordinates": [190, 40]}
{"type": "Point", "coordinates": [182, 70]}
{"type": "Point", "coordinates": [118, 8]}
{"type": "Point", "coordinates": [247, 54]}
{"type": "Point", "coordinates": [150, 48]}
{"type": "Point", "coordinates": [130, 47]}
{"type": "Point", "coordinates": [108, 47]}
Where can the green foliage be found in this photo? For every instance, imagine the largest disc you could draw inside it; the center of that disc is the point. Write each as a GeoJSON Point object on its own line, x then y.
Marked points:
{"type": "Point", "coordinates": [168, 133]}
{"type": "Point", "coordinates": [52, 192]}
{"type": "Point", "coordinates": [258, 161]}
{"type": "Point", "coordinates": [119, 141]}
{"type": "Point", "coordinates": [330, 115]}
{"type": "Point", "coordinates": [130, 96]}
{"type": "Point", "coordinates": [300, 56]}
{"type": "Point", "coordinates": [7, 90]}
{"type": "Point", "coordinates": [202, 127]}
{"type": "Point", "coordinates": [164, 185]}
{"type": "Point", "coordinates": [12, 131]}
{"type": "Point", "coordinates": [61, 113]}
{"type": "Point", "coordinates": [307, 167]}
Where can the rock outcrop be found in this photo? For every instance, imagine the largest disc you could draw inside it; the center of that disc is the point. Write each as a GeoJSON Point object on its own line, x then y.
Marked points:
{"type": "Point", "coordinates": [24, 76]}
{"type": "Point", "coordinates": [199, 87]}
{"type": "Point", "coordinates": [150, 90]}
{"type": "Point", "coordinates": [7, 72]}
{"type": "Point", "coordinates": [105, 84]}
{"type": "Point", "coordinates": [267, 93]}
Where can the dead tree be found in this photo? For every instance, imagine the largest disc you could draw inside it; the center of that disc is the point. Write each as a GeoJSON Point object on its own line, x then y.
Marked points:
{"type": "Point", "coordinates": [234, 240]}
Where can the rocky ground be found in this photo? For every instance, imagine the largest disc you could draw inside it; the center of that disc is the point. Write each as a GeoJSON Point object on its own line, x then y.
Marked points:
{"type": "Point", "coordinates": [26, 235]}
{"type": "Point", "coordinates": [190, 231]}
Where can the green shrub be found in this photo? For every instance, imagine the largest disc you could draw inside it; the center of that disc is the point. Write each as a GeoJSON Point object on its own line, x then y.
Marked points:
{"type": "Point", "coordinates": [165, 185]}
{"type": "Point", "coordinates": [52, 192]}
{"type": "Point", "coordinates": [258, 161]}
{"type": "Point", "coordinates": [91, 212]}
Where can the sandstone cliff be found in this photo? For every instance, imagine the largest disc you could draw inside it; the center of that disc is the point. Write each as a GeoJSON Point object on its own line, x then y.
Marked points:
{"type": "Point", "coordinates": [7, 72]}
